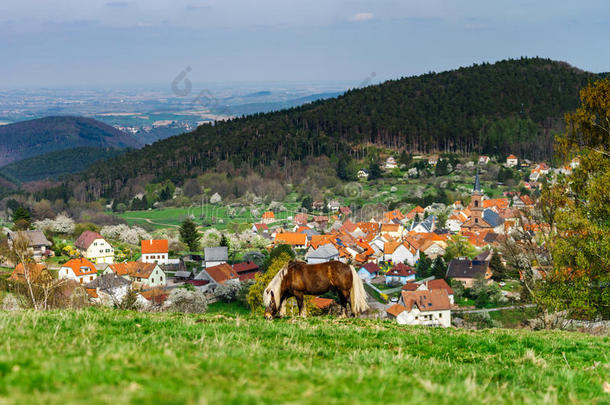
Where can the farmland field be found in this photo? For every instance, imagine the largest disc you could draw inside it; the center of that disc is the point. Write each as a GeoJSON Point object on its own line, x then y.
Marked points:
{"type": "Point", "coordinates": [108, 356]}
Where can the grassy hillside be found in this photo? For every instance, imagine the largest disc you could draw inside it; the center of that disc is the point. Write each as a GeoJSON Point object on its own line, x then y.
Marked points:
{"type": "Point", "coordinates": [25, 139]}
{"type": "Point", "coordinates": [53, 165]}
{"type": "Point", "coordinates": [104, 356]}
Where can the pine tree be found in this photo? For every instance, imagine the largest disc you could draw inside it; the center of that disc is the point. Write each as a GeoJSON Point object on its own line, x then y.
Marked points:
{"type": "Point", "coordinates": [189, 234]}
{"type": "Point", "coordinates": [439, 268]}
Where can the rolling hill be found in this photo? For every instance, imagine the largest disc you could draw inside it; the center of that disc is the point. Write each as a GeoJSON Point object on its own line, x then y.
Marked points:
{"type": "Point", "coordinates": [26, 139]}
{"type": "Point", "coordinates": [53, 165]}
{"type": "Point", "coordinates": [512, 106]}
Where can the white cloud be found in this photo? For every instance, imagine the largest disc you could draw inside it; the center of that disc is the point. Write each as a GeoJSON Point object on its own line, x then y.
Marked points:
{"type": "Point", "coordinates": [362, 17]}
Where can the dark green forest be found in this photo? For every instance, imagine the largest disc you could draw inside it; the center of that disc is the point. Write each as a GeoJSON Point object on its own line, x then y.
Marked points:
{"type": "Point", "coordinates": [30, 138]}
{"type": "Point", "coordinates": [54, 165]}
{"type": "Point", "coordinates": [512, 106]}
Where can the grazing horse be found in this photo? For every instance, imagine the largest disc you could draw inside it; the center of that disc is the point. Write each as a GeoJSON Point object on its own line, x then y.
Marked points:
{"type": "Point", "coordinates": [296, 279]}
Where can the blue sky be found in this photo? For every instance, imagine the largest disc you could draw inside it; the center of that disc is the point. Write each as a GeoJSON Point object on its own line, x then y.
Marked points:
{"type": "Point", "coordinates": [118, 42]}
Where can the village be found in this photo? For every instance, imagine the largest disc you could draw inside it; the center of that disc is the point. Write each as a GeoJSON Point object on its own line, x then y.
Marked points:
{"type": "Point", "coordinates": [411, 262]}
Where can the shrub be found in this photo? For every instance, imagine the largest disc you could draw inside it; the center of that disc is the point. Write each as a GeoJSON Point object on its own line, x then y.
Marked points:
{"type": "Point", "coordinates": [182, 300]}
{"type": "Point", "coordinates": [228, 291]}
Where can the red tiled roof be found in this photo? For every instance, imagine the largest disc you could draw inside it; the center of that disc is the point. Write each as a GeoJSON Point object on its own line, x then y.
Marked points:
{"type": "Point", "coordinates": [396, 310]}
{"type": "Point", "coordinates": [86, 239]}
{"type": "Point", "coordinates": [439, 284]}
{"type": "Point", "coordinates": [400, 269]}
{"type": "Point", "coordinates": [434, 300]}
{"type": "Point", "coordinates": [372, 267]}
{"type": "Point", "coordinates": [391, 215]}
{"type": "Point", "coordinates": [154, 246]}
{"type": "Point", "coordinates": [133, 269]}
{"type": "Point", "coordinates": [345, 210]}
{"type": "Point", "coordinates": [322, 302]}
{"type": "Point", "coordinates": [221, 273]}
{"type": "Point", "coordinates": [390, 228]}
{"type": "Point", "coordinates": [500, 203]}
{"type": "Point", "coordinates": [349, 226]}
{"type": "Point", "coordinates": [410, 287]}
{"type": "Point", "coordinates": [261, 227]}
{"type": "Point", "coordinates": [35, 270]}
{"type": "Point", "coordinates": [368, 227]}
{"type": "Point", "coordinates": [245, 266]}
{"type": "Point", "coordinates": [247, 276]}
{"type": "Point", "coordinates": [300, 218]}
{"type": "Point", "coordinates": [268, 215]}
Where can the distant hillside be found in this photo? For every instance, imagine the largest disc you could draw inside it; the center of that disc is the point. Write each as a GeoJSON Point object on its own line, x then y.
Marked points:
{"type": "Point", "coordinates": [25, 139]}
{"type": "Point", "coordinates": [267, 106]}
{"type": "Point", "coordinates": [513, 106]}
{"type": "Point", "coordinates": [53, 165]}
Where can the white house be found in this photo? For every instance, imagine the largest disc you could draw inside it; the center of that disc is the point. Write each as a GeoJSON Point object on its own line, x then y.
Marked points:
{"type": "Point", "coordinates": [403, 253]}
{"type": "Point", "coordinates": [144, 274]}
{"type": "Point", "coordinates": [455, 221]}
{"type": "Point", "coordinates": [108, 289]}
{"type": "Point", "coordinates": [429, 308]}
{"type": "Point", "coordinates": [483, 160]}
{"type": "Point", "coordinates": [81, 270]}
{"type": "Point", "coordinates": [369, 271]}
{"type": "Point", "coordinates": [400, 274]}
{"type": "Point", "coordinates": [155, 251]}
{"type": "Point", "coordinates": [392, 230]}
{"type": "Point", "coordinates": [38, 245]}
{"type": "Point", "coordinates": [94, 247]}
{"type": "Point", "coordinates": [512, 161]}
{"type": "Point", "coordinates": [214, 256]}
{"type": "Point", "coordinates": [390, 163]}
{"type": "Point", "coordinates": [438, 284]}
{"type": "Point", "coordinates": [363, 174]}
{"type": "Point", "coordinates": [322, 254]}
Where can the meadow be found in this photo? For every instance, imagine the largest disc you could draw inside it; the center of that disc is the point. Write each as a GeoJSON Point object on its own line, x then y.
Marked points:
{"type": "Point", "coordinates": [108, 356]}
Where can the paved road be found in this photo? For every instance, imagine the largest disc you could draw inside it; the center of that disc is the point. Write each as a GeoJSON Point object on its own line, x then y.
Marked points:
{"type": "Point", "coordinates": [474, 311]}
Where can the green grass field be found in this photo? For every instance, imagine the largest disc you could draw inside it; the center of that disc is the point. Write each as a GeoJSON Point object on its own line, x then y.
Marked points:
{"type": "Point", "coordinates": [106, 356]}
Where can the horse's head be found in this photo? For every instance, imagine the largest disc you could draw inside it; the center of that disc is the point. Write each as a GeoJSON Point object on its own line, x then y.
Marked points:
{"type": "Point", "coordinates": [271, 306]}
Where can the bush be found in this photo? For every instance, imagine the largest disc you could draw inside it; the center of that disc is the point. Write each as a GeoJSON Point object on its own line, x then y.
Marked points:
{"type": "Point", "coordinates": [182, 300]}
{"type": "Point", "coordinates": [228, 291]}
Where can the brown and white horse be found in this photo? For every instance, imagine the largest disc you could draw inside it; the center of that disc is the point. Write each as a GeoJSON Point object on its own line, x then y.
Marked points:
{"type": "Point", "coordinates": [297, 279]}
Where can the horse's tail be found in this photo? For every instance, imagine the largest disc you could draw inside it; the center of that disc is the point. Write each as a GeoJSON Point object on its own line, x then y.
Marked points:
{"type": "Point", "coordinates": [357, 294]}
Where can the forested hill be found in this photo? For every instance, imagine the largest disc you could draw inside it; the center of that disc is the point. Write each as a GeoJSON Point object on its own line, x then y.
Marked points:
{"type": "Point", "coordinates": [25, 139]}
{"type": "Point", "coordinates": [511, 106]}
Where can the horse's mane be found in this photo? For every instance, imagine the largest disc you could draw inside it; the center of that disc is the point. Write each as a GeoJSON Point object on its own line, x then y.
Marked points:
{"type": "Point", "coordinates": [274, 285]}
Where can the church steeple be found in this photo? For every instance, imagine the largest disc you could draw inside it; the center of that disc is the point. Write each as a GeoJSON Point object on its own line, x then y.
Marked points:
{"type": "Point", "coordinates": [477, 185]}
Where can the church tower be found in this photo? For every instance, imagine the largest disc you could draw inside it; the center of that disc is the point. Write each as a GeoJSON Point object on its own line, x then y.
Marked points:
{"type": "Point", "coordinates": [476, 223]}
{"type": "Point", "coordinates": [476, 204]}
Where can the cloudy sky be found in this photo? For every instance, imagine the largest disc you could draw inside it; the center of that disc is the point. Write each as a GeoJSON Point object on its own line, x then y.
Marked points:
{"type": "Point", "coordinates": [118, 42]}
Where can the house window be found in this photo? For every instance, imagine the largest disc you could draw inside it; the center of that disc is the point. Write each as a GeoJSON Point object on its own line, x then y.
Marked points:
{"type": "Point", "coordinates": [440, 315]}
{"type": "Point", "coordinates": [81, 280]}
{"type": "Point", "coordinates": [417, 318]}
{"type": "Point", "coordinates": [476, 203]}
{"type": "Point", "coordinates": [476, 220]}
{"type": "Point", "coordinates": [153, 279]}
{"type": "Point", "coordinates": [91, 278]}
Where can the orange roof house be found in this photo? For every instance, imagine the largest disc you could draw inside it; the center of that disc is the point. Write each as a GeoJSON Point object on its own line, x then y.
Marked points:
{"type": "Point", "coordinates": [413, 213]}
{"type": "Point", "coordinates": [35, 271]}
{"type": "Point", "coordinates": [390, 216]}
{"type": "Point", "coordinates": [154, 246]}
{"type": "Point", "coordinates": [268, 215]}
{"type": "Point", "coordinates": [80, 267]}
{"type": "Point", "coordinates": [291, 238]}
{"type": "Point", "coordinates": [498, 203]}
{"type": "Point", "coordinates": [222, 272]}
